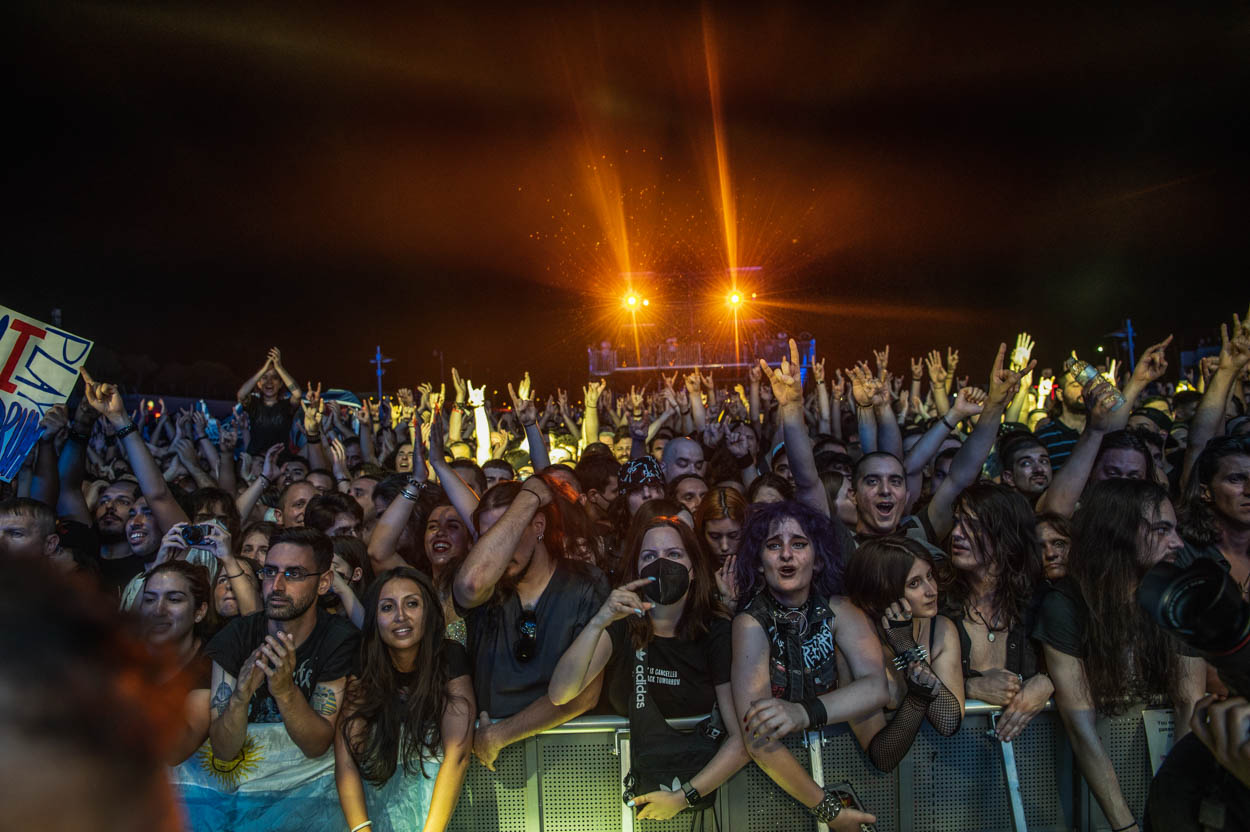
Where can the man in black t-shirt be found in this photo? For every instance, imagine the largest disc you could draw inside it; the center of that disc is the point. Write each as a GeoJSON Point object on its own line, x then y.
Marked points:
{"type": "Point", "coordinates": [523, 606]}
{"type": "Point", "coordinates": [288, 663]}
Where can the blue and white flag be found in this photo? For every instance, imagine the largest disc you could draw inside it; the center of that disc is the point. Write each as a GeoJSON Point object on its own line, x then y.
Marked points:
{"type": "Point", "coordinates": [270, 787]}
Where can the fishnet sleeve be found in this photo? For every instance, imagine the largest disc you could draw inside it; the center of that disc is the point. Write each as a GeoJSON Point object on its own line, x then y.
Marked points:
{"type": "Point", "coordinates": [943, 712]}
{"type": "Point", "coordinates": [892, 742]}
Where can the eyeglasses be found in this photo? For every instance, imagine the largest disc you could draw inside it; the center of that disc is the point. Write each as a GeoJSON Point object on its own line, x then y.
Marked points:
{"type": "Point", "coordinates": [294, 574]}
{"type": "Point", "coordinates": [527, 641]}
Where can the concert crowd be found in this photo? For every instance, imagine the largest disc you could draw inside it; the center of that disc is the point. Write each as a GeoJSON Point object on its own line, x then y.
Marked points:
{"type": "Point", "coordinates": [396, 587]}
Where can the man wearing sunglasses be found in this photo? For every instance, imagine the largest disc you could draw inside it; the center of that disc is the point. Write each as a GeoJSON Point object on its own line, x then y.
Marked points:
{"type": "Point", "coordinates": [289, 662]}
{"type": "Point", "coordinates": [523, 604]}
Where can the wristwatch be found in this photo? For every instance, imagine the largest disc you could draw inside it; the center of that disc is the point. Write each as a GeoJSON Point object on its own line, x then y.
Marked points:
{"type": "Point", "coordinates": [692, 794]}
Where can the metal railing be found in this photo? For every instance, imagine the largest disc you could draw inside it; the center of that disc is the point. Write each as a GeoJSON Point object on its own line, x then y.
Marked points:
{"type": "Point", "coordinates": [569, 779]}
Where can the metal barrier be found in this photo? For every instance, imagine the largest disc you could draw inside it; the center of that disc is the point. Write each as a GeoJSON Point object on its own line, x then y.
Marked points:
{"type": "Point", "coordinates": [569, 780]}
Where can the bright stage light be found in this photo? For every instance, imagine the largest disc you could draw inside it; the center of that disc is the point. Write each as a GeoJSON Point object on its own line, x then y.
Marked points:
{"type": "Point", "coordinates": [734, 299]}
{"type": "Point", "coordinates": [646, 302]}
{"type": "Point", "coordinates": [631, 300]}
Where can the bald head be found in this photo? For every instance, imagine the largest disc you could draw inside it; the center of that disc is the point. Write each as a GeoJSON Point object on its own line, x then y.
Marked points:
{"type": "Point", "coordinates": [682, 456]}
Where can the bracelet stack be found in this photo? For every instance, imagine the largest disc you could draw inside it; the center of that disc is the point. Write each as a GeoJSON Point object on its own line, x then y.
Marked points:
{"type": "Point", "coordinates": [125, 431]}
{"type": "Point", "coordinates": [828, 809]}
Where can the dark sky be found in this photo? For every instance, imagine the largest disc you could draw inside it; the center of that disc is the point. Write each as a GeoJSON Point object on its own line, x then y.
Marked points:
{"type": "Point", "coordinates": [206, 180]}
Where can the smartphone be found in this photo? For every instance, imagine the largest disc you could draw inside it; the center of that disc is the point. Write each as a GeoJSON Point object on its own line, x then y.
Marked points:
{"type": "Point", "coordinates": [850, 800]}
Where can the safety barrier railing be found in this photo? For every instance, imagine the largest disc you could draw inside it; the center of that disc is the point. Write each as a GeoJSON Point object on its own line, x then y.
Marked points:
{"type": "Point", "coordinates": [569, 779]}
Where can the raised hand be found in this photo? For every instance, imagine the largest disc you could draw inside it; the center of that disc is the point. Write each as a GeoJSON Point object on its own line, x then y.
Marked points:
{"type": "Point", "coordinates": [755, 375]}
{"type": "Point", "coordinates": [937, 372]}
{"type": "Point", "coordinates": [524, 407]}
{"type": "Point", "coordinates": [866, 389]}
{"type": "Point", "coordinates": [713, 432]}
{"type": "Point", "coordinates": [55, 420]}
{"type": "Point", "coordinates": [562, 399]}
{"type": "Point", "coordinates": [408, 405]}
{"type": "Point", "coordinates": [458, 383]}
{"type": "Point", "coordinates": [269, 471]}
{"type": "Point", "coordinates": [818, 371]}
{"type": "Point", "coordinates": [477, 395]}
{"type": "Point", "coordinates": [668, 382]}
{"type": "Point", "coordinates": [592, 392]}
{"type": "Point", "coordinates": [1024, 349]}
{"type": "Point", "coordinates": [274, 358]}
{"type": "Point", "coordinates": [1100, 400]}
{"type": "Point", "coordinates": [952, 360]}
{"type": "Point", "coordinates": [1046, 385]}
{"type": "Point", "coordinates": [917, 369]}
{"type": "Point", "coordinates": [105, 398]}
{"type": "Point", "coordinates": [692, 381]}
{"type": "Point", "coordinates": [314, 408]}
{"type": "Point", "coordinates": [524, 390]}
{"type": "Point", "coordinates": [785, 380]}
{"type": "Point", "coordinates": [882, 357]}
{"type": "Point", "coordinates": [635, 400]}
{"type": "Point", "coordinates": [969, 402]}
{"type": "Point", "coordinates": [1003, 382]}
{"type": "Point", "coordinates": [1235, 347]}
{"type": "Point", "coordinates": [365, 415]}
{"type": "Point", "coordinates": [436, 399]}
{"type": "Point", "coordinates": [838, 388]}
{"type": "Point", "coordinates": [338, 458]}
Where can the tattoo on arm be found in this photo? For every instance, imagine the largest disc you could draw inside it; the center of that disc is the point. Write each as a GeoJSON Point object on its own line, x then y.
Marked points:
{"type": "Point", "coordinates": [324, 701]}
{"type": "Point", "coordinates": [220, 699]}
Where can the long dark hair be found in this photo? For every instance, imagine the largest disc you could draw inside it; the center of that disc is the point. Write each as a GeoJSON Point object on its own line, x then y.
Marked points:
{"type": "Point", "coordinates": [702, 604]}
{"type": "Point", "coordinates": [386, 718]}
{"type": "Point", "coordinates": [1006, 536]}
{"type": "Point", "coordinates": [762, 519]}
{"type": "Point", "coordinates": [1199, 522]}
{"type": "Point", "coordinates": [876, 572]}
{"type": "Point", "coordinates": [1127, 655]}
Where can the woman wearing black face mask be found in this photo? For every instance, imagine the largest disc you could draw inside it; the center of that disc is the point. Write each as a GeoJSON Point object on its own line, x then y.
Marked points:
{"type": "Point", "coordinates": [666, 641]}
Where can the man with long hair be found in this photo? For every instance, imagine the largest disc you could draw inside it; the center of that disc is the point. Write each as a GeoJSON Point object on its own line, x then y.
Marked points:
{"type": "Point", "coordinates": [989, 580]}
{"type": "Point", "coordinates": [1102, 650]}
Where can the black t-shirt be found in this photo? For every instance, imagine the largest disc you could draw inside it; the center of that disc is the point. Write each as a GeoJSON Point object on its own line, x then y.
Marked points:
{"type": "Point", "coordinates": [504, 685]}
{"type": "Point", "coordinates": [454, 657]}
{"type": "Point", "coordinates": [327, 654]}
{"type": "Point", "coordinates": [270, 423]}
{"type": "Point", "coordinates": [1063, 619]}
{"type": "Point", "coordinates": [681, 675]}
{"type": "Point", "coordinates": [116, 573]}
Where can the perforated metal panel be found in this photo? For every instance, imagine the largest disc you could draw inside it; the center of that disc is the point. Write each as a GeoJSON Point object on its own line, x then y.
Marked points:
{"type": "Point", "coordinates": [757, 804]}
{"type": "Point", "coordinates": [579, 786]}
{"type": "Point", "coordinates": [495, 800]}
{"type": "Point", "coordinates": [843, 759]}
{"type": "Point", "coordinates": [958, 781]}
{"type": "Point", "coordinates": [1124, 737]}
{"type": "Point", "coordinates": [1044, 762]}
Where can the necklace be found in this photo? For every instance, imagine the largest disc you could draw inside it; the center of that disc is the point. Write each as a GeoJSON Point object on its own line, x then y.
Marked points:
{"type": "Point", "coordinates": [976, 615]}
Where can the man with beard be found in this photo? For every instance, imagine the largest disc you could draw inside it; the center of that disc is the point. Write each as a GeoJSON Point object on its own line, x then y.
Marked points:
{"type": "Point", "coordinates": [288, 663]}
{"type": "Point", "coordinates": [146, 520]}
{"type": "Point", "coordinates": [1026, 465]}
{"type": "Point", "coordinates": [1061, 432]}
{"type": "Point", "coordinates": [523, 602]}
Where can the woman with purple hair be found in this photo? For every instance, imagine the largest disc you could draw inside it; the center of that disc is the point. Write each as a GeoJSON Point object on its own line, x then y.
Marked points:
{"type": "Point", "coordinates": [791, 622]}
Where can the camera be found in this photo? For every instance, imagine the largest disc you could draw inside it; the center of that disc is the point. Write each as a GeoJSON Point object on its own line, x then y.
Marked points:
{"type": "Point", "coordinates": [1202, 606]}
{"type": "Point", "coordinates": [196, 534]}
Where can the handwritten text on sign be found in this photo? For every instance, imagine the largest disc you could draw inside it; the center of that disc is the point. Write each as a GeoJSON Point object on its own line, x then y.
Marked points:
{"type": "Point", "coordinates": [38, 367]}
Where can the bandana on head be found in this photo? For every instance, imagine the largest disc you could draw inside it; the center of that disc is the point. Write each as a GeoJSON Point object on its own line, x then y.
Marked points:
{"type": "Point", "coordinates": [639, 472]}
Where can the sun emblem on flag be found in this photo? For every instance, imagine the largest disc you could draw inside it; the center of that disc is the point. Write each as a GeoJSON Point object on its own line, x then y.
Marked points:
{"type": "Point", "coordinates": [230, 773]}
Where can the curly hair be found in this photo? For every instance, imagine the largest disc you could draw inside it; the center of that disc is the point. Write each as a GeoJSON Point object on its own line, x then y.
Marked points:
{"type": "Point", "coordinates": [762, 522]}
{"type": "Point", "coordinates": [393, 728]}
{"type": "Point", "coordinates": [1001, 521]}
{"type": "Point", "coordinates": [1128, 656]}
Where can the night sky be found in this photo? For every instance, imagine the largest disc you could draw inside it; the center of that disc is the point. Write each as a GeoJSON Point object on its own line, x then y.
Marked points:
{"type": "Point", "coordinates": [202, 181]}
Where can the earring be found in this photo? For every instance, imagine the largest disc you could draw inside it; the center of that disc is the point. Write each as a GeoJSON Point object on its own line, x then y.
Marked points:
{"type": "Point", "coordinates": [540, 537]}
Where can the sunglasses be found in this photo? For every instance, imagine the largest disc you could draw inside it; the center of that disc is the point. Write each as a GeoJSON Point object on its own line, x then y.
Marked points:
{"type": "Point", "coordinates": [294, 574]}
{"type": "Point", "coordinates": [527, 640]}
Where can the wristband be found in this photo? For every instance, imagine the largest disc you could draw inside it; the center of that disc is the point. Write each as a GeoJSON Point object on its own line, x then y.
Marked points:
{"type": "Point", "coordinates": [123, 432]}
{"type": "Point", "coordinates": [817, 716]}
{"type": "Point", "coordinates": [201, 439]}
{"type": "Point", "coordinates": [408, 495]}
{"type": "Point", "coordinates": [692, 794]}
{"type": "Point", "coordinates": [948, 424]}
{"type": "Point", "coordinates": [314, 439]}
{"type": "Point", "coordinates": [263, 477]}
{"type": "Point", "coordinates": [911, 654]}
{"type": "Point", "coordinates": [362, 826]}
{"type": "Point", "coordinates": [828, 809]}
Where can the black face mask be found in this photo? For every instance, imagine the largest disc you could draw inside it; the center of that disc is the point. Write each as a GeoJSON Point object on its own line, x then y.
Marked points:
{"type": "Point", "coordinates": [671, 581]}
